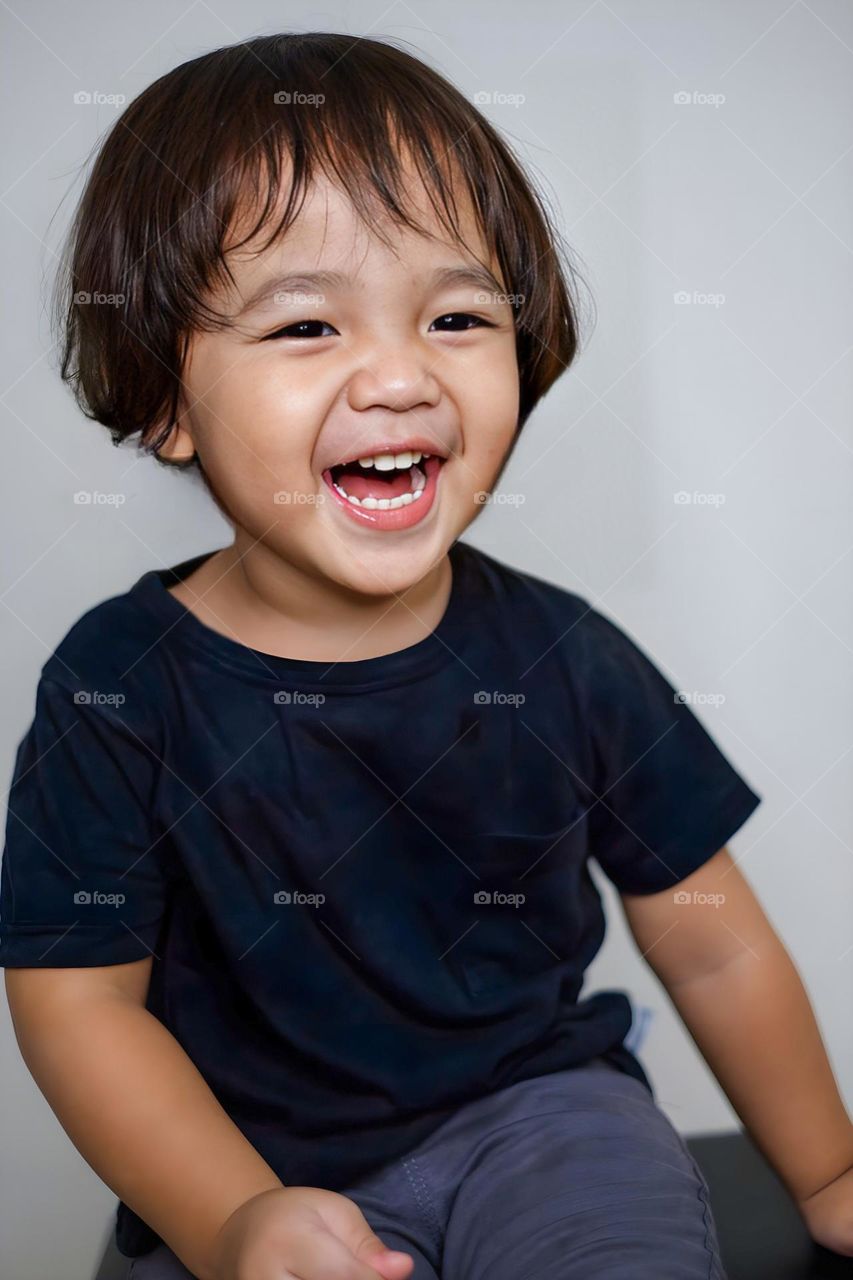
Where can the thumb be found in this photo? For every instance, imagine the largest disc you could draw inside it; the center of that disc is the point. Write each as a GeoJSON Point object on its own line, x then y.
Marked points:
{"type": "Point", "coordinates": [392, 1264]}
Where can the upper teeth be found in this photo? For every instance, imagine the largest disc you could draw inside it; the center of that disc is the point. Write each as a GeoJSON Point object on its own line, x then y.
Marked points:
{"type": "Point", "coordinates": [388, 461]}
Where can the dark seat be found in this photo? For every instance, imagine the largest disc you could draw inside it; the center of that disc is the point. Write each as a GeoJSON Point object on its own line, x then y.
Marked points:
{"type": "Point", "coordinates": [761, 1233]}
{"type": "Point", "coordinates": [762, 1236]}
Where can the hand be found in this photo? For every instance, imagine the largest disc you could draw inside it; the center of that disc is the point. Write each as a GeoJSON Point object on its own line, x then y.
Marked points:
{"type": "Point", "coordinates": [828, 1214]}
{"type": "Point", "coordinates": [303, 1233]}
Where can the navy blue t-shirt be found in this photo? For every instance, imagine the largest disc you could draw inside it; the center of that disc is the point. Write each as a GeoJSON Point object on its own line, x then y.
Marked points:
{"type": "Point", "coordinates": [365, 884]}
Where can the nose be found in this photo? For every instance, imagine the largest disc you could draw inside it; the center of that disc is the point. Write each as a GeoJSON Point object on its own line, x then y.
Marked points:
{"type": "Point", "coordinates": [398, 378]}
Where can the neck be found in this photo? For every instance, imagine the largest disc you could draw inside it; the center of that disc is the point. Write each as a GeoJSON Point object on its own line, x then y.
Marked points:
{"type": "Point", "coordinates": [250, 594]}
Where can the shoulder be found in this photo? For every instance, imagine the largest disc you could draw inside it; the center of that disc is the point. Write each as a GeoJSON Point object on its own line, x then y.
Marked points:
{"type": "Point", "coordinates": [578, 631]}
{"type": "Point", "coordinates": [108, 661]}
{"type": "Point", "coordinates": [518, 587]}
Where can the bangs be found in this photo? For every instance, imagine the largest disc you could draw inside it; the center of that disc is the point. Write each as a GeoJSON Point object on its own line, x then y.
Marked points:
{"type": "Point", "coordinates": [267, 186]}
{"type": "Point", "coordinates": [221, 152]}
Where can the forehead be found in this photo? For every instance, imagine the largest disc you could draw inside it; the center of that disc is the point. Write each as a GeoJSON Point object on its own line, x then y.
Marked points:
{"type": "Point", "coordinates": [328, 232]}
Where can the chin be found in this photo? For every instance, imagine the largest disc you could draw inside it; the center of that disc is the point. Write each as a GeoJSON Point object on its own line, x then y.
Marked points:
{"type": "Point", "coordinates": [389, 568]}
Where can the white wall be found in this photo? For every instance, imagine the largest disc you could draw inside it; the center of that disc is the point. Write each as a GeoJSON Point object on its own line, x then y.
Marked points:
{"type": "Point", "coordinates": [750, 399]}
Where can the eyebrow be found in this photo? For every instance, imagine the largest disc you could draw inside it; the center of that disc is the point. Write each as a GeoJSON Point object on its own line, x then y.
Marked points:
{"type": "Point", "coordinates": [322, 281]}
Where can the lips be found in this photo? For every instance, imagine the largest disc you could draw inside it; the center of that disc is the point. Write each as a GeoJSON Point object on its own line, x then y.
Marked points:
{"type": "Point", "coordinates": [413, 490]}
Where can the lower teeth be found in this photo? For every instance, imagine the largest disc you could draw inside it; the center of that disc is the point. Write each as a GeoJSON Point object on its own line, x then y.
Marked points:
{"type": "Point", "coordinates": [381, 504]}
{"type": "Point", "coordinates": [385, 504]}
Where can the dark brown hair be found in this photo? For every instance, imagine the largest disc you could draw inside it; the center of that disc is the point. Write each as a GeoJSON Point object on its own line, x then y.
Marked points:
{"type": "Point", "coordinates": [211, 139]}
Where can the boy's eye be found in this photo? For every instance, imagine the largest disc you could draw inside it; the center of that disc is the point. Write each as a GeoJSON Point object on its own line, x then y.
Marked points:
{"type": "Point", "coordinates": [308, 328]}
{"type": "Point", "coordinates": [461, 315]}
{"type": "Point", "coordinates": [298, 330]}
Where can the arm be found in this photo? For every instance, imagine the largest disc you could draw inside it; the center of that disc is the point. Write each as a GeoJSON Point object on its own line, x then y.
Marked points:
{"type": "Point", "coordinates": [133, 1103]}
{"type": "Point", "coordinates": [741, 998]}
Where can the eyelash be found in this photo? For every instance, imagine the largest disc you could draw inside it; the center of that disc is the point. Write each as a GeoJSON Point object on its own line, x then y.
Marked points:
{"type": "Point", "coordinates": [280, 333]}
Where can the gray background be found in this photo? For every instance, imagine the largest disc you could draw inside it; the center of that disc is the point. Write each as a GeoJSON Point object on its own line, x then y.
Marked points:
{"type": "Point", "coordinates": [747, 396]}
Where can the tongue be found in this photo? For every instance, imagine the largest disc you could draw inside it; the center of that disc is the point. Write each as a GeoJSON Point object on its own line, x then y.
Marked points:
{"type": "Point", "coordinates": [360, 483]}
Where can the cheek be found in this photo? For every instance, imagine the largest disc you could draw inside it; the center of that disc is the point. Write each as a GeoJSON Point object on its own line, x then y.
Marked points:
{"type": "Point", "coordinates": [255, 465]}
{"type": "Point", "coordinates": [490, 405]}
{"type": "Point", "coordinates": [256, 428]}
{"type": "Point", "coordinates": [488, 385]}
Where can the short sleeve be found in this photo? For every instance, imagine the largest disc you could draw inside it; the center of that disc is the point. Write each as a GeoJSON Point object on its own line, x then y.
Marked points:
{"type": "Point", "coordinates": [666, 798]}
{"type": "Point", "coordinates": [82, 883]}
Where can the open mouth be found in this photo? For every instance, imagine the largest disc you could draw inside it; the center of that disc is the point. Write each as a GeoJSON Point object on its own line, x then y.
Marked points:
{"type": "Point", "coordinates": [386, 482]}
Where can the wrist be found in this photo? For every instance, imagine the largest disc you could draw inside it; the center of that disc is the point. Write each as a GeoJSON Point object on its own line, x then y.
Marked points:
{"type": "Point", "coordinates": [834, 1164]}
{"type": "Point", "coordinates": [226, 1242]}
{"type": "Point", "coordinates": [804, 1198]}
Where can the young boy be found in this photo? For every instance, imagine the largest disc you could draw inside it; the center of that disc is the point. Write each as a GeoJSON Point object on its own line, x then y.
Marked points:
{"type": "Point", "coordinates": [296, 905]}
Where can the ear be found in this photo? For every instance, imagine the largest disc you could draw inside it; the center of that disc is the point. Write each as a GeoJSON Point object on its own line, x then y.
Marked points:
{"type": "Point", "coordinates": [178, 446]}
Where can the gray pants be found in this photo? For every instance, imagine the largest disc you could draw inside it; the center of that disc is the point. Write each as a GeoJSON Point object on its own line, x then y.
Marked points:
{"type": "Point", "coordinates": [577, 1175]}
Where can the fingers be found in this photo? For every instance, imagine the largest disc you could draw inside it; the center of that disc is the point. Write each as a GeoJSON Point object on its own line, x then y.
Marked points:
{"type": "Point", "coordinates": [321, 1255]}
{"type": "Point", "coordinates": [392, 1264]}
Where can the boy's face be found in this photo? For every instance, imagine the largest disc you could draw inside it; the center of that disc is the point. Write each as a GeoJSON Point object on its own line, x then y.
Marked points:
{"type": "Point", "coordinates": [312, 376]}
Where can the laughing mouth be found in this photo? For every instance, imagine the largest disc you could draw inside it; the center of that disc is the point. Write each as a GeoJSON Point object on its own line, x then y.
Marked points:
{"type": "Point", "coordinates": [384, 481]}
